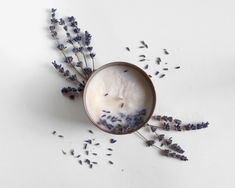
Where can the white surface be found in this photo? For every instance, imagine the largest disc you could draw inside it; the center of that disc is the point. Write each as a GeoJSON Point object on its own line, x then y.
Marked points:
{"type": "Point", "coordinates": [200, 36]}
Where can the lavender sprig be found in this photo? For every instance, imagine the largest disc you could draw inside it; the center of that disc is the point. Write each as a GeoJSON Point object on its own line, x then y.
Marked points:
{"type": "Point", "coordinates": [165, 152]}
{"type": "Point", "coordinates": [168, 123]}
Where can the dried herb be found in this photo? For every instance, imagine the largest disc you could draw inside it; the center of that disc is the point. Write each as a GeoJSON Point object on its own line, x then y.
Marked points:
{"type": "Point", "coordinates": [80, 162]}
{"type": "Point", "coordinates": [108, 154]}
{"type": "Point", "coordinates": [110, 149]}
{"type": "Point", "coordinates": [146, 66]}
{"type": "Point", "coordinates": [106, 94]}
{"type": "Point", "coordinates": [165, 69]}
{"type": "Point", "coordinates": [63, 152]}
{"type": "Point", "coordinates": [158, 60]}
{"type": "Point", "coordinates": [110, 162]}
{"type": "Point", "coordinates": [60, 136]}
{"type": "Point", "coordinates": [177, 67]}
{"type": "Point", "coordinates": [90, 131]}
{"type": "Point", "coordinates": [72, 152]}
{"type": "Point", "coordinates": [87, 152]}
{"type": "Point", "coordinates": [162, 75]}
{"type": "Point", "coordinates": [94, 154]}
{"type": "Point", "coordinates": [54, 132]}
{"type": "Point", "coordinates": [165, 52]}
{"type": "Point", "coordinates": [143, 56]}
{"type": "Point", "coordinates": [127, 48]}
{"type": "Point", "coordinates": [156, 73]}
{"type": "Point", "coordinates": [112, 141]}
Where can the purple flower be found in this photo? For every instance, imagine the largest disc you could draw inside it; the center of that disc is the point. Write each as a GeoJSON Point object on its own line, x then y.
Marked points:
{"type": "Point", "coordinates": [54, 20]}
{"type": "Point", "coordinates": [68, 59]}
{"type": "Point", "coordinates": [87, 39]}
{"type": "Point", "coordinates": [65, 28]}
{"type": "Point", "coordinates": [176, 148]}
{"type": "Point", "coordinates": [149, 142]}
{"type": "Point", "coordinates": [161, 137]}
{"type": "Point", "coordinates": [74, 24]}
{"type": "Point", "coordinates": [53, 9]}
{"type": "Point", "coordinates": [73, 77]}
{"type": "Point", "coordinates": [168, 153]}
{"type": "Point", "coordinates": [71, 19]}
{"type": "Point", "coordinates": [61, 47]}
{"type": "Point", "coordinates": [61, 21]}
{"type": "Point", "coordinates": [78, 64]}
{"type": "Point", "coordinates": [52, 27]}
{"type": "Point", "coordinates": [153, 129]}
{"type": "Point", "coordinates": [92, 55]}
{"type": "Point", "coordinates": [66, 73]}
{"type": "Point", "coordinates": [77, 38]}
{"type": "Point", "coordinates": [89, 48]}
{"type": "Point", "coordinates": [76, 30]}
{"type": "Point", "coordinates": [166, 126]}
{"type": "Point", "coordinates": [87, 70]}
{"type": "Point", "coordinates": [53, 34]}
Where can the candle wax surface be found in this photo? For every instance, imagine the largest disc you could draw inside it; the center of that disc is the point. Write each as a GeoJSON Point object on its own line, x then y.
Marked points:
{"type": "Point", "coordinates": [116, 93]}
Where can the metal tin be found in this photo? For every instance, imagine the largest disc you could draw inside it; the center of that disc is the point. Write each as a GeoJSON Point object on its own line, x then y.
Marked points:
{"type": "Point", "coordinates": [128, 65]}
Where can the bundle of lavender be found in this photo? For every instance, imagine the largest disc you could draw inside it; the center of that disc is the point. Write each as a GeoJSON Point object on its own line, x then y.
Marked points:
{"type": "Point", "coordinates": [77, 42]}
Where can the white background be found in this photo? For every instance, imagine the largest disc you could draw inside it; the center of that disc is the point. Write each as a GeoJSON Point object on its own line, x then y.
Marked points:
{"type": "Point", "coordinates": [200, 36]}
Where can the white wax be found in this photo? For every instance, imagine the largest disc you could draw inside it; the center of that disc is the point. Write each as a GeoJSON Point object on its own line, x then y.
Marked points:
{"type": "Point", "coordinates": [126, 92]}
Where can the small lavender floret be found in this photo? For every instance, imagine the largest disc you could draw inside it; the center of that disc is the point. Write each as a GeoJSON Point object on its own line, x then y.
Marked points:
{"type": "Point", "coordinates": [112, 141]}
{"type": "Point", "coordinates": [79, 64]}
{"type": "Point", "coordinates": [92, 55]}
{"type": "Point", "coordinates": [89, 48]}
{"type": "Point", "coordinates": [166, 126]}
{"type": "Point", "coordinates": [68, 59]}
{"type": "Point", "coordinates": [77, 38]}
{"type": "Point", "coordinates": [161, 137]}
{"type": "Point", "coordinates": [150, 142]}
{"type": "Point", "coordinates": [153, 129]}
{"type": "Point", "coordinates": [76, 30]}
{"type": "Point", "coordinates": [87, 70]}
{"type": "Point", "coordinates": [168, 141]}
{"type": "Point", "coordinates": [61, 46]}
{"type": "Point", "coordinates": [61, 21]}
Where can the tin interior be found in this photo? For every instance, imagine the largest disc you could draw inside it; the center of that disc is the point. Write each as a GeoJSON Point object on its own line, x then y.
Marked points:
{"type": "Point", "coordinates": [127, 65]}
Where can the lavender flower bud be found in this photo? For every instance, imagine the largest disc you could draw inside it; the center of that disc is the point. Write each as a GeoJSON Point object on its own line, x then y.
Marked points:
{"type": "Point", "coordinates": [61, 47]}
{"type": "Point", "coordinates": [65, 28]}
{"type": "Point", "coordinates": [168, 153]}
{"type": "Point", "coordinates": [66, 73]}
{"type": "Point", "coordinates": [161, 137]}
{"type": "Point", "coordinates": [87, 70]}
{"type": "Point", "coordinates": [153, 129]}
{"type": "Point", "coordinates": [71, 19]}
{"type": "Point", "coordinates": [77, 38]}
{"type": "Point", "coordinates": [53, 9]}
{"type": "Point", "coordinates": [52, 27]}
{"type": "Point", "coordinates": [53, 34]}
{"type": "Point", "coordinates": [79, 64]}
{"type": "Point", "coordinates": [68, 59]}
{"type": "Point", "coordinates": [149, 142]}
{"type": "Point", "coordinates": [61, 21]}
{"type": "Point", "coordinates": [177, 148]}
{"type": "Point", "coordinates": [73, 77]}
{"type": "Point", "coordinates": [89, 48]}
{"type": "Point", "coordinates": [168, 141]}
{"type": "Point", "coordinates": [54, 20]}
{"type": "Point", "coordinates": [76, 30]}
{"type": "Point", "coordinates": [166, 126]}
{"type": "Point", "coordinates": [87, 38]}
{"type": "Point", "coordinates": [92, 55]}
{"type": "Point", "coordinates": [74, 24]}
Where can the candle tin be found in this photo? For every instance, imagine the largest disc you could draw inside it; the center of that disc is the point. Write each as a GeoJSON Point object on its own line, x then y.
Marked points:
{"type": "Point", "coordinates": [148, 81]}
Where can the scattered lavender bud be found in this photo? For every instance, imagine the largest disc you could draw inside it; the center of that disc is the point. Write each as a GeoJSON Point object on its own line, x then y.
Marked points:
{"type": "Point", "coordinates": [63, 152]}
{"type": "Point", "coordinates": [80, 162]}
{"type": "Point", "coordinates": [158, 60]}
{"type": "Point", "coordinates": [54, 132]}
{"type": "Point", "coordinates": [72, 152]}
{"type": "Point", "coordinates": [165, 69]}
{"type": "Point", "coordinates": [97, 144]}
{"type": "Point", "coordinates": [108, 154]}
{"type": "Point", "coordinates": [88, 141]}
{"type": "Point", "coordinates": [165, 52]}
{"type": "Point", "coordinates": [85, 146]}
{"type": "Point", "coordinates": [143, 56]}
{"type": "Point", "coordinates": [87, 161]}
{"type": "Point", "coordinates": [77, 156]}
{"type": "Point", "coordinates": [112, 141]}
{"type": "Point", "coordinates": [110, 162]}
{"type": "Point", "coordinates": [146, 66]}
{"type": "Point", "coordinates": [60, 136]}
{"type": "Point", "coordinates": [177, 67]}
{"type": "Point", "coordinates": [94, 162]}
{"type": "Point", "coordinates": [162, 75]}
{"type": "Point", "coordinates": [87, 152]}
{"type": "Point", "coordinates": [110, 149]}
{"type": "Point", "coordinates": [156, 73]}
{"type": "Point", "coordinates": [94, 154]}
{"type": "Point", "coordinates": [90, 166]}
{"type": "Point", "coordinates": [90, 131]}
{"type": "Point", "coordinates": [127, 48]}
